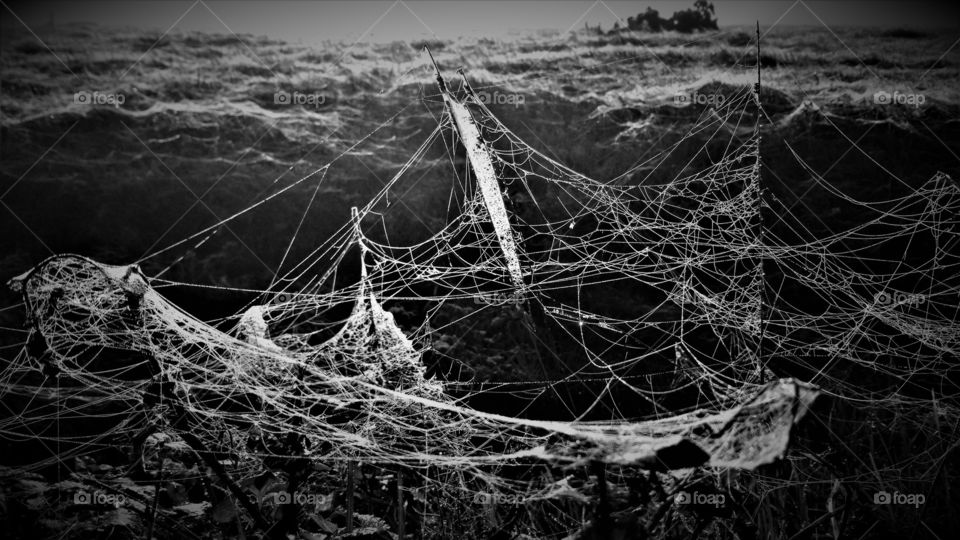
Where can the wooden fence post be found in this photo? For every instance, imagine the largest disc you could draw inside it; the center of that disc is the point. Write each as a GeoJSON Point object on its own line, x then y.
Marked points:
{"type": "Point", "coordinates": [350, 472]}
{"type": "Point", "coordinates": [401, 525]}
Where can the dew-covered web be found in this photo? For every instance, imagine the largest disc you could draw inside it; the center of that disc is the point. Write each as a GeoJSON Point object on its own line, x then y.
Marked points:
{"type": "Point", "coordinates": [694, 281]}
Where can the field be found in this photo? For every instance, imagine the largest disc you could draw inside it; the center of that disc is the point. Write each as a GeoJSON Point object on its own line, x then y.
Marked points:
{"type": "Point", "coordinates": [201, 108]}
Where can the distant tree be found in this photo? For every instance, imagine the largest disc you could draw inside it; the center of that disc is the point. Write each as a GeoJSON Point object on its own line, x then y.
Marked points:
{"type": "Point", "coordinates": [701, 17]}
{"type": "Point", "coordinates": [648, 21]}
{"type": "Point", "coordinates": [706, 11]}
{"type": "Point", "coordinates": [652, 19]}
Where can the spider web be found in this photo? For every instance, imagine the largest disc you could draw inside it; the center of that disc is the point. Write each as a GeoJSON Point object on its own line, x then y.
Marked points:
{"type": "Point", "coordinates": [536, 241]}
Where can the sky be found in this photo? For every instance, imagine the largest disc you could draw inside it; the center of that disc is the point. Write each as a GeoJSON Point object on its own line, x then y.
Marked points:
{"type": "Point", "coordinates": [310, 21]}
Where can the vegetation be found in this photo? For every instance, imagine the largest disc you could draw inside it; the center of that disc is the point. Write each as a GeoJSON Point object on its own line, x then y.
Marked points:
{"type": "Point", "coordinates": [699, 18]}
{"type": "Point", "coordinates": [199, 122]}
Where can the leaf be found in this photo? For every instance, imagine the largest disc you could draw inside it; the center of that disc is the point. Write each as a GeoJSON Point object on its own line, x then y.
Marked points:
{"type": "Point", "coordinates": [224, 512]}
{"type": "Point", "coordinates": [33, 486]}
{"type": "Point", "coordinates": [194, 510]}
{"type": "Point", "coordinates": [129, 485]}
{"type": "Point", "coordinates": [36, 503]}
{"type": "Point", "coordinates": [122, 517]}
{"type": "Point", "coordinates": [326, 525]}
{"type": "Point", "coordinates": [367, 521]}
{"type": "Point", "coordinates": [176, 492]}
